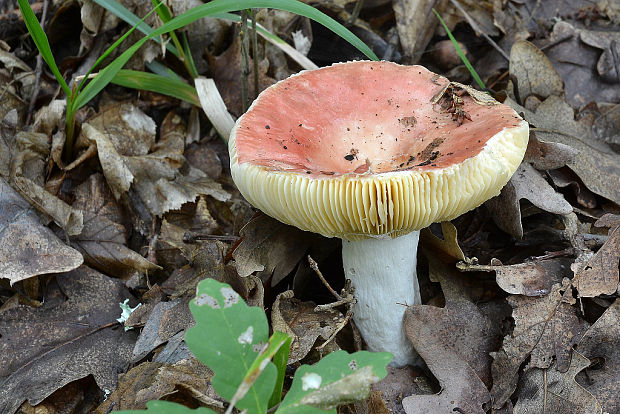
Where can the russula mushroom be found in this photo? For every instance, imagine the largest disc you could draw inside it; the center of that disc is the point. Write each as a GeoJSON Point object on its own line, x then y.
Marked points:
{"type": "Point", "coordinates": [371, 152]}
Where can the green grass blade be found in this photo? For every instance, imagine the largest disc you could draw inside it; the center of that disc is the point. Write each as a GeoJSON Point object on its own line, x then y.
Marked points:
{"type": "Point", "coordinates": [459, 51]}
{"type": "Point", "coordinates": [127, 16]}
{"type": "Point", "coordinates": [110, 50]}
{"type": "Point", "coordinates": [280, 359]}
{"type": "Point", "coordinates": [162, 11]}
{"type": "Point", "coordinates": [162, 70]}
{"type": "Point", "coordinates": [208, 9]}
{"type": "Point", "coordinates": [157, 83]}
{"type": "Point", "coordinates": [40, 40]}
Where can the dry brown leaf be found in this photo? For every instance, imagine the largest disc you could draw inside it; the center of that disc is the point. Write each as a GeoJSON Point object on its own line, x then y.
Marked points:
{"type": "Point", "coordinates": [129, 130]}
{"type": "Point", "coordinates": [75, 329]}
{"type": "Point", "coordinates": [271, 248]}
{"type": "Point", "coordinates": [576, 62]}
{"type": "Point", "coordinates": [226, 71]}
{"type": "Point", "coordinates": [153, 381]}
{"type": "Point", "coordinates": [566, 178]}
{"type": "Point", "coordinates": [160, 327]}
{"type": "Point", "coordinates": [599, 276]}
{"type": "Point", "coordinates": [117, 173]}
{"type": "Point", "coordinates": [551, 391]}
{"type": "Point", "coordinates": [454, 341]}
{"type": "Point", "coordinates": [534, 73]}
{"type": "Point", "coordinates": [103, 240]}
{"type": "Point", "coordinates": [526, 183]}
{"type": "Point", "coordinates": [416, 24]}
{"type": "Point", "coordinates": [544, 328]}
{"type": "Point", "coordinates": [548, 155]}
{"type": "Point", "coordinates": [305, 325]}
{"type": "Point", "coordinates": [529, 279]}
{"type": "Point", "coordinates": [601, 343]}
{"type": "Point", "coordinates": [595, 163]}
{"type": "Point", "coordinates": [28, 248]}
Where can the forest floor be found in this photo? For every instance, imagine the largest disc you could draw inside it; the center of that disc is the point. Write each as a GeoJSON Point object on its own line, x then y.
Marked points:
{"type": "Point", "coordinates": [520, 295]}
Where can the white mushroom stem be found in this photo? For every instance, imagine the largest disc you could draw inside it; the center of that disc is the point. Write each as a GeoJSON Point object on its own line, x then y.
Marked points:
{"type": "Point", "coordinates": [383, 273]}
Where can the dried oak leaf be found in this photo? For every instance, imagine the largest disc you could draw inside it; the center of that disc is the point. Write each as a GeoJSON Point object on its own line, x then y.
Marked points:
{"type": "Point", "coordinates": [270, 248]}
{"type": "Point", "coordinates": [103, 240]}
{"type": "Point", "coordinates": [602, 343]}
{"type": "Point", "coordinates": [454, 341]}
{"type": "Point", "coordinates": [302, 323]}
{"type": "Point", "coordinates": [154, 381]}
{"type": "Point", "coordinates": [544, 327]}
{"type": "Point", "coordinates": [526, 183]}
{"type": "Point", "coordinates": [595, 162]}
{"type": "Point", "coordinates": [74, 329]}
{"type": "Point", "coordinates": [556, 391]}
{"type": "Point", "coordinates": [548, 155]}
{"type": "Point", "coordinates": [599, 276]}
{"type": "Point", "coordinates": [529, 279]}
{"type": "Point", "coordinates": [27, 248]}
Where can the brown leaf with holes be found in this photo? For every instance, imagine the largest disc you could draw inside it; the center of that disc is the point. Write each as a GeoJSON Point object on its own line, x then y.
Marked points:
{"type": "Point", "coordinates": [556, 391]}
{"type": "Point", "coordinates": [601, 343]}
{"type": "Point", "coordinates": [599, 276]}
{"type": "Point", "coordinates": [544, 328]}
{"type": "Point", "coordinates": [305, 325]}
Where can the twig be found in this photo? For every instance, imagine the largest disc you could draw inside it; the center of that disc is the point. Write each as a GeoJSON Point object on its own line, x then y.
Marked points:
{"type": "Point", "coordinates": [245, 60]}
{"type": "Point", "coordinates": [315, 267]}
{"type": "Point", "coordinates": [38, 69]}
{"type": "Point", "coordinates": [254, 38]}
{"type": "Point", "coordinates": [474, 26]}
{"type": "Point", "coordinates": [355, 13]}
{"type": "Point", "coordinates": [339, 328]}
{"type": "Point", "coordinates": [556, 41]}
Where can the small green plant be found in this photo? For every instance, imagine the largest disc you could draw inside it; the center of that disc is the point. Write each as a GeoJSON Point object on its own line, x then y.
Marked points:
{"type": "Point", "coordinates": [249, 366]}
{"type": "Point", "coordinates": [459, 51]}
{"type": "Point", "coordinates": [86, 89]}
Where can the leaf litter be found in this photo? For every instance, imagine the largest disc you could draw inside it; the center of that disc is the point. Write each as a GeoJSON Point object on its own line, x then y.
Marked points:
{"type": "Point", "coordinates": [149, 203]}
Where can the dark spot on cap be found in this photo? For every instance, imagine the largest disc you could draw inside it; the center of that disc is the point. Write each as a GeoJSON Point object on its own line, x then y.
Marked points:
{"type": "Point", "coordinates": [285, 147]}
{"type": "Point", "coordinates": [267, 127]}
{"type": "Point", "coordinates": [349, 157]}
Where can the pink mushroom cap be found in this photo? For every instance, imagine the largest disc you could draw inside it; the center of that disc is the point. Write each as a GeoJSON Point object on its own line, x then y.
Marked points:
{"type": "Point", "coordinates": [365, 149]}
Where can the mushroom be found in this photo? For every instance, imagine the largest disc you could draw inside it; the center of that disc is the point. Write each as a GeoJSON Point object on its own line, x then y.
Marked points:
{"type": "Point", "coordinates": [371, 152]}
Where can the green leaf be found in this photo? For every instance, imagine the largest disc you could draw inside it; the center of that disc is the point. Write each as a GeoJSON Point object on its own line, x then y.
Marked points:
{"type": "Point", "coordinates": [228, 337]}
{"type": "Point", "coordinates": [280, 360]}
{"type": "Point", "coordinates": [157, 83]}
{"type": "Point", "coordinates": [339, 378]}
{"type": "Point", "coordinates": [459, 51]}
{"type": "Point", "coordinates": [277, 341]}
{"type": "Point", "coordinates": [166, 407]}
{"type": "Point", "coordinates": [42, 43]}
